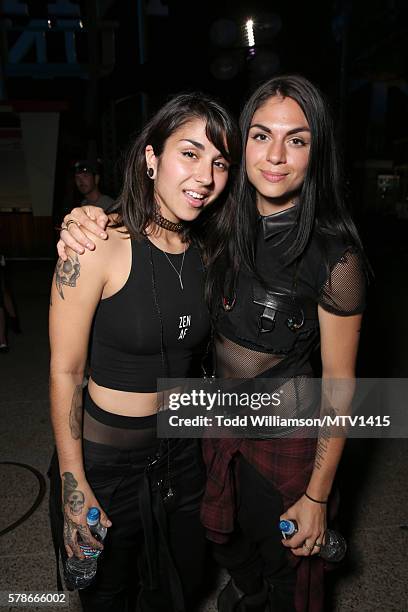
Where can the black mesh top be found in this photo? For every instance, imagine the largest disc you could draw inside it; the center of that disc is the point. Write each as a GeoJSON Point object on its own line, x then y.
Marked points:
{"type": "Point", "coordinates": [272, 327]}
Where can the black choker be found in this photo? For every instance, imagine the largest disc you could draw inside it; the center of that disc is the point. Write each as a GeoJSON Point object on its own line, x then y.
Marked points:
{"type": "Point", "coordinates": [166, 224]}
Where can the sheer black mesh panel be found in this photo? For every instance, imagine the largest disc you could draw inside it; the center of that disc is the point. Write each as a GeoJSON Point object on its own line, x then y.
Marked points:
{"type": "Point", "coordinates": [235, 361]}
{"type": "Point", "coordinates": [343, 292]}
{"type": "Point", "coordinates": [145, 435]}
{"type": "Point", "coordinates": [299, 397]}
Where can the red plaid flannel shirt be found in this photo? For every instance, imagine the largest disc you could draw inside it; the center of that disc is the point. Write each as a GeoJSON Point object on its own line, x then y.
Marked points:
{"type": "Point", "coordinates": [287, 464]}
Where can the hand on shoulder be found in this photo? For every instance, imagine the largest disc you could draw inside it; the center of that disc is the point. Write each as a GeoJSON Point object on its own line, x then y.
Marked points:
{"type": "Point", "coordinates": [89, 218]}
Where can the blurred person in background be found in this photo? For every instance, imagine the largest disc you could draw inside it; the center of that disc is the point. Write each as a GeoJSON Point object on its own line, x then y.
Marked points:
{"type": "Point", "coordinates": [87, 174]}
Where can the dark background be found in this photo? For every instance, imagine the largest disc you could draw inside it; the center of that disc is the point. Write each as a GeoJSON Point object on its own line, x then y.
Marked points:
{"type": "Point", "coordinates": [356, 52]}
{"type": "Point", "coordinates": [353, 50]}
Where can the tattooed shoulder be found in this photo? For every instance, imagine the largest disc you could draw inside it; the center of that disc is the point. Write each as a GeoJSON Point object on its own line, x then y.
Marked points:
{"type": "Point", "coordinates": [67, 273]}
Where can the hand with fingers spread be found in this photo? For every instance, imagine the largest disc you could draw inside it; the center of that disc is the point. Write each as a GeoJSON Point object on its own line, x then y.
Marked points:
{"type": "Point", "coordinates": [311, 520]}
{"type": "Point", "coordinates": [92, 218]}
{"type": "Point", "coordinates": [77, 498]}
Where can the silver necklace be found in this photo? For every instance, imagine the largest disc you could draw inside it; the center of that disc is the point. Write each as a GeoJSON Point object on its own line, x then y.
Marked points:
{"type": "Point", "coordinates": [179, 273]}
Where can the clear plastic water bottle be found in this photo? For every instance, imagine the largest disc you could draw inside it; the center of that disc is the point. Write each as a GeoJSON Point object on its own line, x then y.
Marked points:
{"type": "Point", "coordinates": [79, 573]}
{"type": "Point", "coordinates": [332, 550]}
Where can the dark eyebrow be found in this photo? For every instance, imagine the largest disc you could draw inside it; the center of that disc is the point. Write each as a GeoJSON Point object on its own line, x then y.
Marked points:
{"type": "Point", "coordinates": [193, 142]}
{"type": "Point", "coordinates": [200, 146]}
{"type": "Point", "coordinates": [296, 130]}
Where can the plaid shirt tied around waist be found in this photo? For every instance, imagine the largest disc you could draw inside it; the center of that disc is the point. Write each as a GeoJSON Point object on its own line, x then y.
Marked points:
{"type": "Point", "coordinates": [287, 464]}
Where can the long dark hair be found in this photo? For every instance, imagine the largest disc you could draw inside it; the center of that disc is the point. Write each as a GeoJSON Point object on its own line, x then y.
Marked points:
{"type": "Point", "coordinates": [135, 206]}
{"type": "Point", "coordinates": [321, 201]}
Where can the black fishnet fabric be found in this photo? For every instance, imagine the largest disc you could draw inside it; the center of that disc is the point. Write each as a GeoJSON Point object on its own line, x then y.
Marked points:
{"type": "Point", "coordinates": [343, 291]}
{"type": "Point", "coordinates": [299, 395]}
{"type": "Point", "coordinates": [299, 398]}
{"type": "Point", "coordinates": [236, 361]}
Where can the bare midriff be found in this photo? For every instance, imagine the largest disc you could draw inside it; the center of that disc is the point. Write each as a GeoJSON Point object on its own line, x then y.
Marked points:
{"type": "Point", "coordinates": [124, 403]}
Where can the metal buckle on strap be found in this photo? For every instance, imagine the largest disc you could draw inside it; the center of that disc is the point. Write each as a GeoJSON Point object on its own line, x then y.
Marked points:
{"type": "Point", "coordinates": [274, 302]}
{"type": "Point", "coordinates": [296, 321]}
{"type": "Point", "coordinates": [267, 320]}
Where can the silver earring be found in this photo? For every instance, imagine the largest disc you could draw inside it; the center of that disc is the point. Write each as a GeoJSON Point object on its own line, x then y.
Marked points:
{"type": "Point", "coordinates": [150, 172]}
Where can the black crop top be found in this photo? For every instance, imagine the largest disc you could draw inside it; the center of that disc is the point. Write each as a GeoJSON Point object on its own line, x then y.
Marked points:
{"type": "Point", "coordinates": [126, 348]}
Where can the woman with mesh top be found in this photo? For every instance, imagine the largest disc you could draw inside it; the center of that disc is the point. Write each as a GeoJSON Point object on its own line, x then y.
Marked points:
{"type": "Point", "coordinates": [295, 278]}
{"type": "Point", "coordinates": [291, 273]}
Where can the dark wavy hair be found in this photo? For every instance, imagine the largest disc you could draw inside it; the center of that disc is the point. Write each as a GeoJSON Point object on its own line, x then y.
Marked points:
{"type": "Point", "coordinates": [135, 204]}
{"type": "Point", "coordinates": [321, 200]}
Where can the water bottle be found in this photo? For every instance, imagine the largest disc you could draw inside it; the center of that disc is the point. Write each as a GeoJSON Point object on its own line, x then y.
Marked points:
{"type": "Point", "coordinates": [79, 573]}
{"type": "Point", "coordinates": [334, 548]}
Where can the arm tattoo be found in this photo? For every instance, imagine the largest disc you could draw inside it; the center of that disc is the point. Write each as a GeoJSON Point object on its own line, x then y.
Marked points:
{"type": "Point", "coordinates": [73, 502]}
{"type": "Point", "coordinates": [70, 484]}
{"type": "Point", "coordinates": [75, 415]}
{"type": "Point", "coordinates": [67, 273]}
{"type": "Point", "coordinates": [321, 450]}
{"type": "Point", "coordinates": [323, 438]}
{"type": "Point", "coordinates": [74, 499]}
{"type": "Point", "coordinates": [69, 527]}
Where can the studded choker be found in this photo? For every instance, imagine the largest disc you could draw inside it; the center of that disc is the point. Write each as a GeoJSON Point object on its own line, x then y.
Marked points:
{"type": "Point", "coordinates": [166, 224]}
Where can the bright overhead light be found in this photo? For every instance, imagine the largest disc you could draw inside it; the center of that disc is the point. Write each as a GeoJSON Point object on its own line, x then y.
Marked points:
{"type": "Point", "coordinates": [250, 33]}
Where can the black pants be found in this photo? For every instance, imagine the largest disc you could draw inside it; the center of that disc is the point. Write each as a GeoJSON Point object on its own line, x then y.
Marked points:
{"type": "Point", "coordinates": [255, 552]}
{"type": "Point", "coordinates": [154, 553]}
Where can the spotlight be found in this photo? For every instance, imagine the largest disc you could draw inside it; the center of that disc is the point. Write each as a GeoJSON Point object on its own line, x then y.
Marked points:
{"type": "Point", "coordinates": [250, 33]}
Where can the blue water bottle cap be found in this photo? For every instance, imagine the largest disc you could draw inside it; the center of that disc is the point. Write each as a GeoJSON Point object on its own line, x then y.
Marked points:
{"type": "Point", "coordinates": [287, 527]}
{"type": "Point", "coordinates": [93, 516]}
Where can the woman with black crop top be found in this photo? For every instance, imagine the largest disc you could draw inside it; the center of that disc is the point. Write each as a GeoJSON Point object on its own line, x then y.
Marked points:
{"type": "Point", "coordinates": [292, 275]}
{"type": "Point", "coordinates": [142, 296]}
